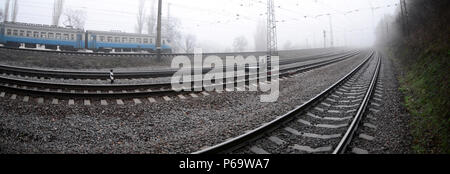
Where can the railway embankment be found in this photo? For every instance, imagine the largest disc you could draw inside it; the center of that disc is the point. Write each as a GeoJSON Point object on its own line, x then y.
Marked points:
{"type": "Point", "coordinates": [420, 52]}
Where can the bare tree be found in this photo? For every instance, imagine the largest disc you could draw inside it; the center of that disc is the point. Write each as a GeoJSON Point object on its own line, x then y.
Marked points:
{"type": "Point", "coordinates": [15, 11]}
{"type": "Point", "coordinates": [75, 18]}
{"type": "Point", "coordinates": [288, 45]}
{"type": "Point", "coordinates": [261, 36]}
{"type": "Point", "coordinates": [240, 44]}
{"type": "Point", "coordinates": [6, 10]}
{"type": "Point", "coordinates": [57, 11]}
{"type": "Point", "coordinates": [189, 43]}
{"type": "Point", "coordinates": [151, 20]}
{"type": "Point", "coordinates": [1, 14]}
{"type": "Point", "coordinates": [173, 33]}
{"type": "Point", "coordinates": [140, 17]}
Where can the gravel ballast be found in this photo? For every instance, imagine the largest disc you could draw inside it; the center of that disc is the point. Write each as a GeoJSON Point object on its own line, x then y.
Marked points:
{"type": "Point", "coordinates": [391, 132]}
{"type": "Point", "coordinates": [177, 126]}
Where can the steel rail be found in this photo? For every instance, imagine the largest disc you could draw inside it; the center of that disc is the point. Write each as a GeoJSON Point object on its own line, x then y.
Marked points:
{"type": "Point", "coordinates": [157, 86]}
{"type": "Point", "coordinates": [346, 139]}
{"type": "Point", "coordinates": [129, 54]}
{"type": "Point", "coordinates": [126, 75]}
{"type": "Point", "coordinates": [243, 139]}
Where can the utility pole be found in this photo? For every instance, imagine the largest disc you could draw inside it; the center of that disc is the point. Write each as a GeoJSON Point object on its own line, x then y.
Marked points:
{"type": "Point", "coordinates": [15, 11]}
{"type": "Point", "coordinates": [324, 39]}
{"type": "Point", "coordinates": [57, 11]}
{"type": "Point", "coordinates": [404, 12]}
{"type": "Point", "coordinates": [158, 32]}
{"type": "Point", "coordinates": [6, 10]}
{"type": "Point", "coordinates": [272, 43]}
{"type": "Point", "coordinates": [386, 22]}
{"type": "Point", "coordinates": [373, 14]}
{"type": "Point", "coordinates": [168, 13]}
{"type": "Point", "coordinates": [331, 31]}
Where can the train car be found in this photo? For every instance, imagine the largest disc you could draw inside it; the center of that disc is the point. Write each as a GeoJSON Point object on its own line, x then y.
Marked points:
{"type": "Point", "coordinates": [123, 42]}
{"type": "Point", "coordinates": [13, 34]}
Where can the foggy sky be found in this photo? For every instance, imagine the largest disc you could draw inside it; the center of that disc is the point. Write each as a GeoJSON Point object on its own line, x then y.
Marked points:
{"type": "Point", "coordinates": [216, 23]}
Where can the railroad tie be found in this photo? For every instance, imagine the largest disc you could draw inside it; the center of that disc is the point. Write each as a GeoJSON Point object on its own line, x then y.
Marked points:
{"type": "Point", "coordinates": [309, 149]}
{"type": "Point", "coordinates": [194, 95]}
{"type": "Point", "coordinates": [311, 135]}
{"type": "Point", "coordinates": [319, 109]}
{"type": "Point", "coordinates": [137, 101]}
{"type": "Point", "coordinates": [119, 102]}
{"type": "Point", "coordinates": [276, 140]}
{"type": "Point", "coordinates": [325, 104]}
{"type": "Point", "coordinates": [356, 150]}
{"type": "Point", "coordinates": [14, 96]}
{"type": "Point", "coordinates": [151, 100]}
{"type": "Point", "coordinates": [366, 137]}
{"type": "Point", "coordinates": [374, 110]}
{"type": "Point", "coordinates": [103, 102]}
{"type": "Point", "coordinates": [40, 100]}
{"type": "Point", "coordinates": [55, 101]}
{"type": "Point", "coordinates": [375, 104]}
{"type": "Point", "coordinates": [369, 125]}
{"type": "Point", "coordinates": [167, 98]}
{"type": "Point", "coordinates": [181, 97]}
{"type": "Point", "coordinates": [71, 101]}
{"type": "Point", "coordinates": [87, 102]}
{"type": "Point", "coordinates": [26, 99]}
{"type": "Point", "coordinates": [258, 150]}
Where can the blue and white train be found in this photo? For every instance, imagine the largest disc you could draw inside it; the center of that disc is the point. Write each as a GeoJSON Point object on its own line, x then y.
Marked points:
{"type": "Point", "coordinates": [14, 34]}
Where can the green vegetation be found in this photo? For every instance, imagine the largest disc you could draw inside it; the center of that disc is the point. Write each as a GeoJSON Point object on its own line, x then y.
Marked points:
{"type": "Point", "coordinates": [426, 88]}
{"type": "Point", "coordinates": [423, 59]}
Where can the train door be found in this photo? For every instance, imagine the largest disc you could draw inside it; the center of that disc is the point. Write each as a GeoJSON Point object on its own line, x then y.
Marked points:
{"type": "Point", "coordinates": [93, 41]}
{"type": "Point", "coordinates": [79, 41]}
{"type": "Point", "coordinates": [86, 40]}
{"type": "Point", "coordinates": [2, 32]}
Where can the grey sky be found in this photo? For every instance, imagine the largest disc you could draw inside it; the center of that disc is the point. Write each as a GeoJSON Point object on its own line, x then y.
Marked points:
{"type": "Point", "coordinates": [217, 22]}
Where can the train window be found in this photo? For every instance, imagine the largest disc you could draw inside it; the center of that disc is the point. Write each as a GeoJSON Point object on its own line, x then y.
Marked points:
{"type": "Point", "coordinates": [58, 36]}
{"type": "Point", "coordinates": [124, 40]}
{"type": "Point", "coordinates": [43, 34]}
{"type": "Point", "coordinates": [35, 34]}
{"type": "Point", "coordinates": [102, 38]}
{"type": "Point", "coordinates": [66, 37]}
{"type": "Point", "coordinates": [51, 35]}
{"type": "Point", "coordinates": [131, 40]}
{"type": "Point", "coordinates": [151, 40]}
{"type": "Point", "coordinates": [164, 42]}
{"type": "Point", "coordinates": [15, 32]}
{"type": "Point", "coordinates": [110, 39]}
{"type": "Point", "coordinates": [138, 40]}
{"type": "Point", "coordinates": [8, 32]}
{"type": "Point", "coordinates": [29, 34]}
{"type": "Point", "coordinates": [145, 41]}
{"type": "Point", "coordinates": [72, 37]}
{"type": "Point", "coordinates": [21, 33]}
{"type": "Point", "coordinates": [117, 39]}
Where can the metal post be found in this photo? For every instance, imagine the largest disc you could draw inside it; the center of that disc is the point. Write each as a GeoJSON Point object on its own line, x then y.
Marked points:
{"type": "Point", "coordinates": [331, 31]}
{"type": "Point", "coordinates": [272, 45]}
{"type": "Point", "coordinates": [404, 12]}
{"type": "Point", "coordinates": [6, 11]}
{"type": "Point", "coordinates": [158, 32]}
{"type": "Point", "coordinates": [324, 39]}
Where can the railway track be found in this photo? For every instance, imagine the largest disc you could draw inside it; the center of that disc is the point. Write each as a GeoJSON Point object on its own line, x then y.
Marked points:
{"type": "Point", "coordinates": [65, 90]}
{"type": "Point", "coordinates": [325, 124]}
{"type": "Point", "coordinates": [104, 75]}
